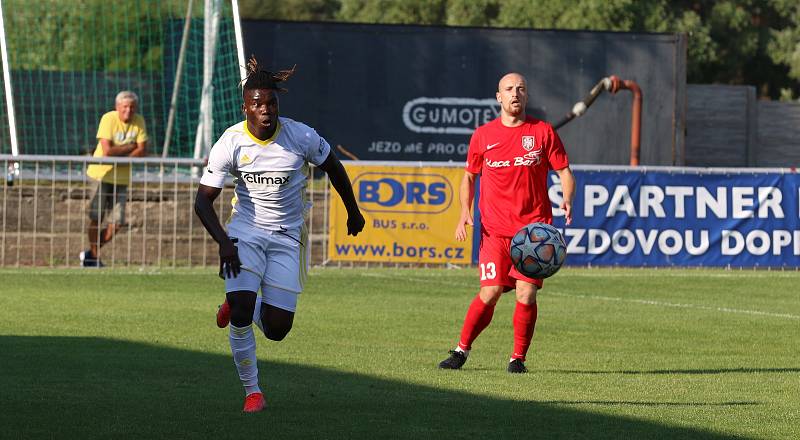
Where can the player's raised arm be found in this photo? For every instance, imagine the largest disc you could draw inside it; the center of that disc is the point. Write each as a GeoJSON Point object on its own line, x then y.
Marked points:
{"type": "Point", "coordinates": [341, 182]}
{"type": "Point", "coordinates": [466, 195]}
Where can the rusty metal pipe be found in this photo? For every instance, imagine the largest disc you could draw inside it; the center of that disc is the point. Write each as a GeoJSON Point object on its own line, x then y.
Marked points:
{"type": "Point", "coordinates": [636, 115]}
{"type": "Point", "coordinates": [613, 84]}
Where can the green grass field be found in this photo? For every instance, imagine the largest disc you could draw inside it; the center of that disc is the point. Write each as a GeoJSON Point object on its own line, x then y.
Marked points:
{"type": "Point", "coordinates": [618, 354]}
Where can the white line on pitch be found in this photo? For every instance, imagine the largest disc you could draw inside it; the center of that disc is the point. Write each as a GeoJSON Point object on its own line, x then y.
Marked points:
{"type": "Point", "coordinates": [705, 273]}
{"type": "Point", "coordinates": [678, 305]}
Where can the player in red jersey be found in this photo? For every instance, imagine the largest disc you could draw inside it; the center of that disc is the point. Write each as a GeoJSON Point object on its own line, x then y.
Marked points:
{"type": "Point", "coordinates": [513, 155]}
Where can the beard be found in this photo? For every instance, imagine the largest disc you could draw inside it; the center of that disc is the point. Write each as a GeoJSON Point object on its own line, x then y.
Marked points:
{"type": "Point", "coordinates": [515, 110]}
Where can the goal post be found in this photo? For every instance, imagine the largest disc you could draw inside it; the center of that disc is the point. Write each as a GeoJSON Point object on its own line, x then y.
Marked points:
{"type": "Point", "coordinates": [9, 123]}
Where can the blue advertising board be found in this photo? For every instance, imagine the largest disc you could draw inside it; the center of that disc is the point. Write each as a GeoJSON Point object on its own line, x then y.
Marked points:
{"type": "Point", "coordinates": [665, 216]}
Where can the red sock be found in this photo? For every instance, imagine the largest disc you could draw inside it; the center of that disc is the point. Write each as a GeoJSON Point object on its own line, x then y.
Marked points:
{"type": "Point", "coordinates": [524, 323]}
{"type": "Point", "coordinates": [478, 317]}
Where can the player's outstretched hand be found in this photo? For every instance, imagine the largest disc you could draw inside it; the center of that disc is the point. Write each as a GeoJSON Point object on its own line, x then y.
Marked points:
{"type": "Point", "coordinates": [355, 223]}
{"type": "Point", "coordinates": [229, 264]}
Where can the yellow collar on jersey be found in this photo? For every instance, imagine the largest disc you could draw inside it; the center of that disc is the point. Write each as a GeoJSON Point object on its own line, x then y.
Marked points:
{"type": "Point", "coordinates": [259, 141]}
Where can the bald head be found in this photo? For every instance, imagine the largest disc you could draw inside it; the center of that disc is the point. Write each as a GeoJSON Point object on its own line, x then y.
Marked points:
{"type": "Point", "coordinates": [512, 94]}
{"type": "Point", "coordinates": [511, 78]}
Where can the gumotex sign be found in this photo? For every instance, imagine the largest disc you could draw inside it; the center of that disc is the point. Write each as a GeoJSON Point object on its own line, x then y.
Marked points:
{"type": "Point", "coordinates": [622, 216]}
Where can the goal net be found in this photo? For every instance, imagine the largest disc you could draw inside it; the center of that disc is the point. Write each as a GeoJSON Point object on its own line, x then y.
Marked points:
{"type": "Point", "coordinates": [67, 60]}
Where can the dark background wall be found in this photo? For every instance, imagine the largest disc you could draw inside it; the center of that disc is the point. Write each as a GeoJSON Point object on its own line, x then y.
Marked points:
{"type": "Point", "coordinates": [353, 82]}
{"type": "Point", "coordinates": [726, 126]}
{"type": "Point", "coordinates": [720, 130]}
{"type": "Point", "coordinates": [778, 134]}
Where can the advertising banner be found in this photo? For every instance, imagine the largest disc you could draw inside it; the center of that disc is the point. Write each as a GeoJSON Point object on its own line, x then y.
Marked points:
{"type": "Point", "coordinates": [683, 217]}
{"type": "Point", "coordinates": [411, 214]}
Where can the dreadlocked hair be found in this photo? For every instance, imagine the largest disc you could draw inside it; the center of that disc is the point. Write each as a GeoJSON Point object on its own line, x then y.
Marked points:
{"type": "Point", "coordinates": [257, 78]}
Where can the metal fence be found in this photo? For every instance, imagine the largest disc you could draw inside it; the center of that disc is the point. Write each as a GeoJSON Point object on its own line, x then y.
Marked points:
{"type": "Point", "coordinates": [44, 214]}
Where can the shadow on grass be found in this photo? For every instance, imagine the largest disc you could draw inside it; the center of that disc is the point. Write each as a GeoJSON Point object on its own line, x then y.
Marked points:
{"type": "Point", "coordinates": [644, 403]}
{"type": "Point", "coordinates": [57, 387]}
{"type": "Point", "coordinates": [690, 371]}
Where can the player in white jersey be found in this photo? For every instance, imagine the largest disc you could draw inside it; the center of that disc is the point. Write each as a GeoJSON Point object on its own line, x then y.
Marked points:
{"type": "Point", "coordinates": [264, 247]}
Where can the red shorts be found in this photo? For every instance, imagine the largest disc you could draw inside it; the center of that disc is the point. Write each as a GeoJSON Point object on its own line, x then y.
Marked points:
{"type": "Point", "coordinates": [494, 264]}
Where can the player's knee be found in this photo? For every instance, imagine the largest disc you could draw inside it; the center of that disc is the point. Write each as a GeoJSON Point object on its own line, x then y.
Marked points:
{"type": "Point", "coordinates": [277, 333]}
{"type": "Point", "coordinates": [490, 294]}
{"type": "Point", "coordinates": [277, 322]}
{"type": "Point", "coordinates": [242, 305]}
{"type": "Point", "coordinates": [526, 294]}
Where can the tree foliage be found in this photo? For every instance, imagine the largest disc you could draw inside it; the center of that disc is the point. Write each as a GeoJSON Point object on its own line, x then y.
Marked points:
{"type": "Point", "coordinates": [296, 10]}
{"type": "Point", "coordinates": [87, 35]}
{"type": "Point", "coordinates": [755, 42]}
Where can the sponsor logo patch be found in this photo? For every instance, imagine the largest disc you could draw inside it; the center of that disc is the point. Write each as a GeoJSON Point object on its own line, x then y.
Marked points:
{"type": "Point", "coordinates": [265, 180]}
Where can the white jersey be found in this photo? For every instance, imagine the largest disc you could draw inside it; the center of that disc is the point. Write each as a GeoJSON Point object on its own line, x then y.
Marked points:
{"type": "Point", "coordinates": [270, 176]}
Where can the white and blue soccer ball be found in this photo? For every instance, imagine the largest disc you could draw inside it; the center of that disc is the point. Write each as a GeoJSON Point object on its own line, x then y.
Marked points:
{"type": "Point", "coordinates": [538, 250]}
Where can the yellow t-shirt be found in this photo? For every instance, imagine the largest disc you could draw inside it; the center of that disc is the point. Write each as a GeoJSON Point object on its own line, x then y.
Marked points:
{"type": "Point", "coordinates": [119, 133]}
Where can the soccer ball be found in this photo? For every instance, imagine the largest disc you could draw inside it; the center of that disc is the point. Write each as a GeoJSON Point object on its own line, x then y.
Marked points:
{"type": "Point", "coordinates": [538, 250]}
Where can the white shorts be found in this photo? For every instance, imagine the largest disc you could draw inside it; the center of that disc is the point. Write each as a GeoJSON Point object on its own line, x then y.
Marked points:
{"type": "Point", "coordinates": [276, 262]}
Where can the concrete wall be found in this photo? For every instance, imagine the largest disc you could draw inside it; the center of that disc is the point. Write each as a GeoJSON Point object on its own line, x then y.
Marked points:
{"type": "Point", "coordinates": [727, 126]}
{"type": "Point", "coordinates": [778, 134]}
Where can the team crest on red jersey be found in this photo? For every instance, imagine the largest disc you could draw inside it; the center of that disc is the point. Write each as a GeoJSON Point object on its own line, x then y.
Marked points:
{"type": "Point", "coordinates": [527, 143]}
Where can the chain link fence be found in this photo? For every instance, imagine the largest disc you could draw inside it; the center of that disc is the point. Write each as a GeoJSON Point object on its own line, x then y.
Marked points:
{"type": "Point", "coordinates": [44, 214]}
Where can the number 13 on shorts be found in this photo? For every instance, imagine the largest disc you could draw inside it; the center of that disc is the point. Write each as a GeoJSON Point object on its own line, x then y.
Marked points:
{"type": "Point", "coordinates": [488, 271]}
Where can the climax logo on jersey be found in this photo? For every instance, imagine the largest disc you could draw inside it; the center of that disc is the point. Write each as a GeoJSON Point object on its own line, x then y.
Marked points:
{"type": "Point", "coordinates": [265, 180]}
{"type": "Point", "coordinates": [403, 193]}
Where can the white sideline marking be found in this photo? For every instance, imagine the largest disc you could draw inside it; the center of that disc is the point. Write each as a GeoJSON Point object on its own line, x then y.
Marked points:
{"type": "Point", "coordinates": [601, 273]}
{"type": "Point", "coordinates": [611, 273]}
{"type": "Point", "coordinates": [610, 298]}
{"type": "Point", "coordinates": [684, 306]}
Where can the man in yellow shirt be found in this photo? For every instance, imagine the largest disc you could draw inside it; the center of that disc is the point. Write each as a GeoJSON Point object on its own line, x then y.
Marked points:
{"type": "Point", "coordinates": [121, 132]}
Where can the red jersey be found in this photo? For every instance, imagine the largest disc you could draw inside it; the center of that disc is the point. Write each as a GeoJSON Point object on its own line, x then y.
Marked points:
{"type": "Point", "coordinates": [513, 163]}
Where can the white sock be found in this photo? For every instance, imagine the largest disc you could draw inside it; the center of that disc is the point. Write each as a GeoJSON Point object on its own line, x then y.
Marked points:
{"type": "Point", "coordinates": [257, 314]}
{"type": "Point", "coordinates": [243, 347]}
{"type": "Point", "coordinates": [466, 352]}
